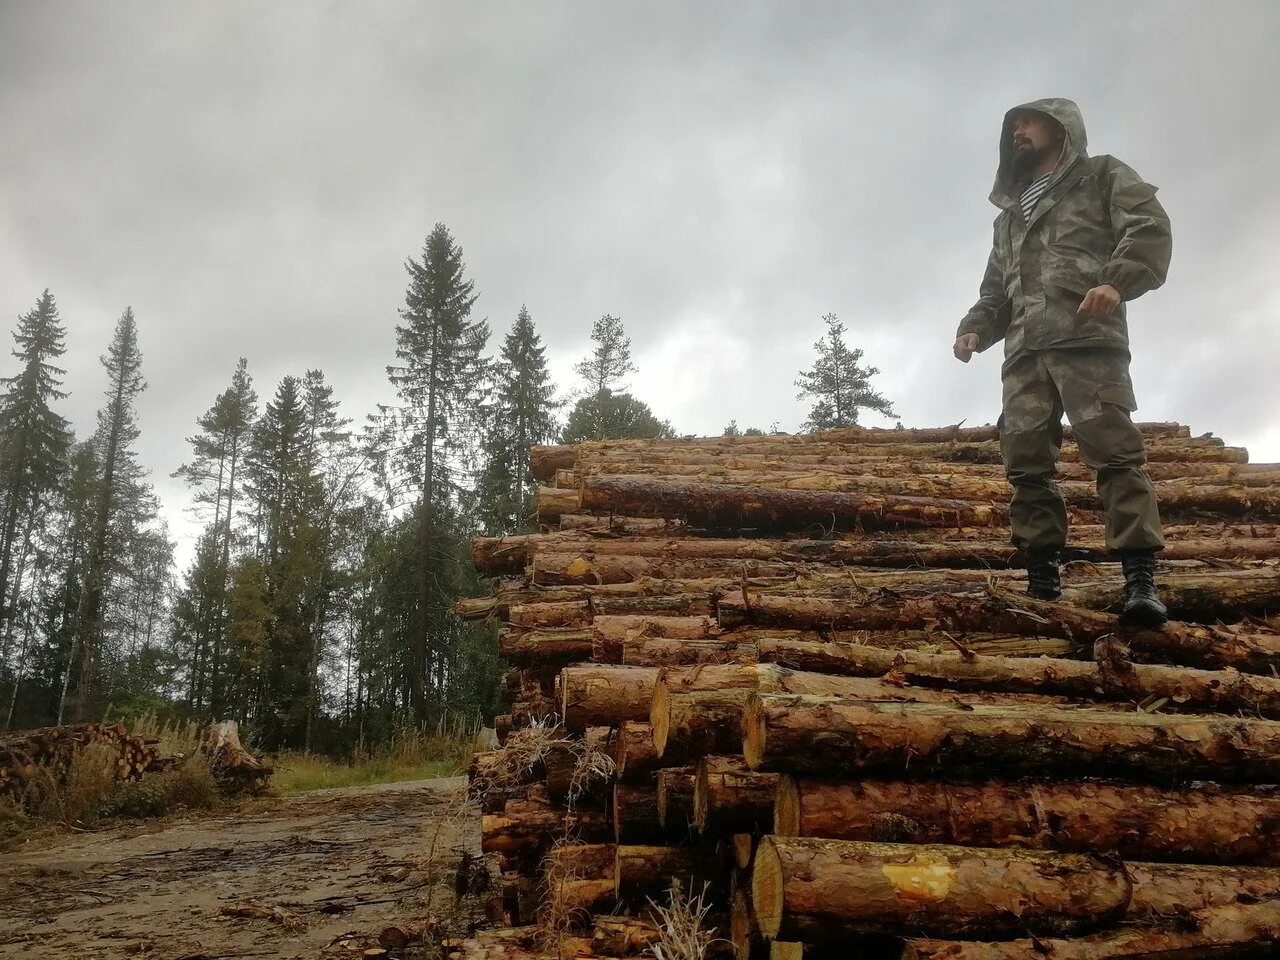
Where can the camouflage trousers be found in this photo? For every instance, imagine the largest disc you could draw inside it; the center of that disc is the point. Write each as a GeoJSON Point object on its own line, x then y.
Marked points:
{"type": "Point", "coordinates": [1092, 386]}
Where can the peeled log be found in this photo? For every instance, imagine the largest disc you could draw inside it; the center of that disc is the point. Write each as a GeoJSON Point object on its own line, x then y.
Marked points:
{"type": "Point", "coordinates": [822, 735]}
{"type": "Point", "coordinates": [1203, 823]}
{"type": "Point", "coordinates": [1230, 932]}
{"type": "Point", "coordinates": [729, 797]}
{"type": "Point", "coordinates": [675, 797]}
{"type": "Point", "coordinates": [820, 890]}
{"type": "Point", "coordinates": [647, 871]}
{"type": "Point", "coordinates": [1209, 691]}
{"type": "Point", "coordinates": [731, 506]}
{"type": "Point", "coordinates": [606, 695]}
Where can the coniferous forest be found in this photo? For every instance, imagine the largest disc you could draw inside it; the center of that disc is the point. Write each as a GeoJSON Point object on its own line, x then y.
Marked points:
{"type": "Point", "coordinates": [316, 607]}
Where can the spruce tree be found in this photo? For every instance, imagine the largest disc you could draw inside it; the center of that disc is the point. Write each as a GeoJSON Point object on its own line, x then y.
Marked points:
{"type": "Point", "coordinates": [34, 442]}
{"type": "Point", "coordinates": [521, 415]}
{"type": "Point", "coordinates": [123, 503]}
{"type": "Point", "coordinates": [839, 386]}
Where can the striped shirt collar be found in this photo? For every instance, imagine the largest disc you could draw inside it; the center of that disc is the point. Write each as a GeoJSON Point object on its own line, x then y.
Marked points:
{"type": "Point", "coordinates": [1035, 190]}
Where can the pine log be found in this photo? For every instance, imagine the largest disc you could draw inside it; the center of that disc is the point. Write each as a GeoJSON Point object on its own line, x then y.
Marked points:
{"type": "Point", "coordinates": [566, 569]}
{"type": "Point", "coordinates": [677, 605]}
{"type": "Point", "coordinates": [618, 936]}
{"type": "Point", "coordinates": [553, 503]}
{"type": "Point", "coordinates": [605, 695]}
{"type": "Point", "coordinates": [742, 846]}
{"type": "Point", "coordinates": [730, 506]}
{"type": "Point", "coordinates": [578, 878]}
{"type": "Point", "coordinates": [663, 652]}
{"type": "Point", "coordinates": [542, 616]}
{"type": "Point", "coordinates": [634, 756]}
{"type": "Point", "coordinates": [831, 656]}
{"type": "Point", "coordinates": [1202, 823]}
{"type": "Point", "coordinates": [822, 890]}
{"type": "Point", "coordinates": [824, 735]}
{"type": "Point", "coordinates": [635, 814]}
{"type": "Point", "coordinates": [698, 710]}
{"type": "Point", "coordinates": [729, 797]}
{"type": "Point", "coordinates": [1227, 500]}
{"type": "Point", "coordinates": [526, 829]}
{"type": "Point", "coordinates": [1231, 932]}
{"type": "Point", "coordinates": [1184, 688]}
{"type": "Point", "coordinates": [610, 633]}
{"type": "Point", "coordinates": [1244, 648]}
{"type": "Point", "coordinates": [621, 526]}
{"type": "Point", "coordinates": [568, 644]}
{"type": "Point", "coordinates": [675, 798]}
{"type": "Point", "coordinates": [743, 932]}
{"type": "Point", "coordinates": [647, 871]}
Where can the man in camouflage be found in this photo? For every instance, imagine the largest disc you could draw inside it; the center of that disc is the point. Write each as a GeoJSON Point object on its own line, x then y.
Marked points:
{"type": "Point", "coordinates": [1076, 238]}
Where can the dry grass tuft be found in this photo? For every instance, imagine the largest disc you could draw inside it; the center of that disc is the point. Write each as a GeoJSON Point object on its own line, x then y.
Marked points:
{"type": "Point", "coordinates": [594, 762]}
{"type": "Point", "coordinates": [682, 926]}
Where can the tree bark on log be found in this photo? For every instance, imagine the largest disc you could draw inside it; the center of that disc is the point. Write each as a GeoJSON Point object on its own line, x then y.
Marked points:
{"type": "Point", "coordinates": [634, 756]}
{"type": "Point", "coordinates": [822, 890]}
{"type": "Point", "coordinates": [575, 614]}
{"type": "Point", "coordinates": [1206, 691]}
{"type": "Point", "coordinates": [615, 936]}
{"type": "Point", "coordinates": [1231, 932]}
{"type": "Point", "coordinates": [647, 871]}
{"type": "Point", "coordinates": [553, 503]}
{"type": "Point", "coordinates": [635, 814]}
{"type": "Point", "coordinates": [831, 656]}
{"type": "Point", "coordinates": [675, 798]}
{"type": "Point", "coordinates": [578, 878]}
{"type": "Point", "coordinates": [729, 797]}
{"type": "Point", "coordinates": [698, 711]}
{"type": "Point", "coordinates": [727, 506]}
{"type": "Point", "coordinates": [611, 633]}
{"type": "Point", "coordinates": [541, 646]}
{"type": "Point", "coordinates": [527, 828]}
{"type": "Point", "coordinates": [1244, 648]}
{"type": "Point", "coordinates": [1203, 823]}
{"type": "Point", "coordinates": [822, 735]}
{"type": "Point", "coordinates": [605, 695]}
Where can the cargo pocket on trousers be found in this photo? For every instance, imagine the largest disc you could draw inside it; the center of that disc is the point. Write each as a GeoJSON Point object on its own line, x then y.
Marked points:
{"type": "Point", "coordinates": [1118, 394]}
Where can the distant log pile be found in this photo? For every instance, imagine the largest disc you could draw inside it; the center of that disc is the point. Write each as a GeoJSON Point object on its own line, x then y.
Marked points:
{"type": "Point", "coordinates": [800, 674]}
{"type": "Point", "coordinates": [27, 755]}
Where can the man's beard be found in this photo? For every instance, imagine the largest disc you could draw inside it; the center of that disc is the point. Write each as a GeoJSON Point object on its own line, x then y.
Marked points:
{"type": "Point", "coordinates": [1025, 161]}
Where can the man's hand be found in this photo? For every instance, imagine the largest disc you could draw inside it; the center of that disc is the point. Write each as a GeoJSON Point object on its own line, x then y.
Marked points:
{"type": "Point", "coordinates": [966, 343]}
{"type": "Point", "coordinates": [1101, 301]}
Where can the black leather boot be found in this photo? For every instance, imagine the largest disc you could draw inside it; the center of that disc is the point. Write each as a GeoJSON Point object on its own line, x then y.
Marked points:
{"type": "Point", "coordinates": [1142, 608]}
{"type": "Point", "coordinates": [1043, 579]}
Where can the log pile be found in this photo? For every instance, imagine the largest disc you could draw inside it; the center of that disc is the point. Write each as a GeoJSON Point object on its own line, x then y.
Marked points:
{"type": "Point", "coordinates": [799, 674]}
{"type": "Point", "coordinates": [27, 755]}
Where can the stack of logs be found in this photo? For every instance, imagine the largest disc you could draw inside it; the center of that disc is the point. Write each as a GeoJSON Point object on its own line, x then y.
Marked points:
{"type": "Point", "coordinates": [29, 755]}
{"type": "Point", "coordinates": [799, 673]}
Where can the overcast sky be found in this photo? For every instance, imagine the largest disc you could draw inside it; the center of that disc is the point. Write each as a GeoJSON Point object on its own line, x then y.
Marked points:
{"type": "Point", "coordinates": [251, 176]}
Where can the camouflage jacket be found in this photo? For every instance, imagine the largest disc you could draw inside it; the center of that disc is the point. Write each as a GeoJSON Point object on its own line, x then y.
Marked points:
{"type": "Point", "coordinates": [1096, 223]}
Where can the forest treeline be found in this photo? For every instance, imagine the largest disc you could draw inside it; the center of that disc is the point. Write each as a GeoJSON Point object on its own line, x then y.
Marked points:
{"type": "Point", "coordinates": [315, 610]}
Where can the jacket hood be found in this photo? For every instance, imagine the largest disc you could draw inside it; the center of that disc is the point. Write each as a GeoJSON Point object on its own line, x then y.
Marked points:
{"type": "Point", "coordinates": [1074, 146]}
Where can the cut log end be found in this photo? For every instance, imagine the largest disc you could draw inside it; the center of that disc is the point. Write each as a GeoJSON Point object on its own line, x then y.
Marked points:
{"type": "Point", "coordinates": [743, 846]}
{"type": "Point", "coordinates": [766, 889]}
{"type": "Point", "coordinates": [660, 715]}
{"type": "Point", "coordinates": [740, 927]}
{"type": "Point", "coordinates": [786, 808]}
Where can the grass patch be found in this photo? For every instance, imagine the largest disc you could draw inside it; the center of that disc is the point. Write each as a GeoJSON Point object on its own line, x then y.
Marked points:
{"type": "Point", "coordinates": [412, 754]}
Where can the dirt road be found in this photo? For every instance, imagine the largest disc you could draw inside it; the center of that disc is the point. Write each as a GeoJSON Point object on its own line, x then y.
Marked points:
{"type": "Point", "coordinates": [317, 875]}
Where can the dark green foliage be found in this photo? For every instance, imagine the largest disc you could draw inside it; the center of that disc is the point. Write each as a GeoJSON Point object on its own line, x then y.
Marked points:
{"type": "Point", "coordinates": [613, 416]}
{"type": "Point", "coordinates": [521, 415]}
{"type": "Point", "coordinates": [838, 385]}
